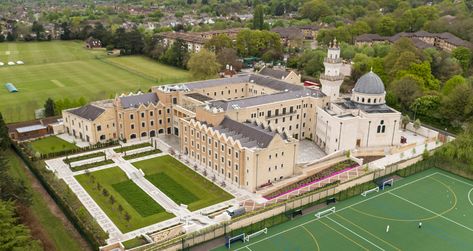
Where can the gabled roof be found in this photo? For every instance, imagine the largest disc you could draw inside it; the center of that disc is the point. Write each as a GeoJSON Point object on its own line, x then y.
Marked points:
{"type": "Point", "coordinates": [89, 112]}
{"type": "Point", "coordinates": [139, 99]}
{"type": "Point", "coordinates": [278, 74]}
{"type": "Point", "coordinates": [249, 134]}
{"type": "Point", "coordinates": [199, 97]}
{"type": "Point", "coordinates": [289, 33]}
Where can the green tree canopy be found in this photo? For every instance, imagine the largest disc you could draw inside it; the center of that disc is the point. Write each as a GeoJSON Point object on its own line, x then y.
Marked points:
{"type": "Point", "coordinates": [203, 64]}
{"type": "Point", "coordinates": [14, 236]}
{"type": "Point", "coordinates": [452, 84]}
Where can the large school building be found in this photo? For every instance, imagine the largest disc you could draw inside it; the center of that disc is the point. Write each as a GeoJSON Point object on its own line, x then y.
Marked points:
{"type": "Point", "coordinates": [248, 127]}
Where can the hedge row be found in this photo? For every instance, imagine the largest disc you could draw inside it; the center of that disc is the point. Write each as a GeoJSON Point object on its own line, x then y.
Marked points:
{"type": "Point", "coordinates": [142, 154]}
{"type": "Point", "coordinates": [29, 151]}
{"type": "Point", "coordinates": [83, 157]}
{"type": "Point", "coordinates": [66, 200]}
{"type": "Point", "coordinates": [131, 147]}
{"type": "Point", "coordinates": [91, 165]}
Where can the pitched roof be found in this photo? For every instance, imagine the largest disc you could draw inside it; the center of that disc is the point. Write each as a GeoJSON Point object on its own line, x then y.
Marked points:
{"type": "Point", "coordinates": [137, 100]}
{"type": "Point", "coordinates": [289, 33]}
{"type": "Point", "coordinates": [249, 134]}
{"type": "Point", "coordinates": [89, 112]}
{"type": "Point", "coordinates": [199, 97]}
{"type": "Point", "coordinates": [279, 74]}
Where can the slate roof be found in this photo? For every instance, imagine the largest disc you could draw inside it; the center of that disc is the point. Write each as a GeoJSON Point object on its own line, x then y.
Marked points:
{"type": "Point", "coordinates": [448, 37]}
{"type": "Point", "coordinates": [278, 74]}
{"type": "Point", "coordinates": [349, 104]}
{"type": "Point", "coordinates": [289, 33]}
{"type": "Point", "coordinates": [227, 105]}
{"type": "Point", "coordinates": [248, 134]}
{"type": "Point", "coordinates": [198, 96]}
{"type": "Point", "coordinates": [90, 112]}
{"type": "Point", "coordinates": [137, 100]}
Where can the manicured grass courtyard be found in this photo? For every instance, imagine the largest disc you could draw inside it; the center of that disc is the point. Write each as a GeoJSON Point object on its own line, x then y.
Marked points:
{"type": "Point", "coordinates": [61, 69]}
{"type": "Point", "coordinates": [181, 184]}
{"type": "Point", "coordinates": [143, 209]}
{"type": "Point", "coordinates": [51, 144]}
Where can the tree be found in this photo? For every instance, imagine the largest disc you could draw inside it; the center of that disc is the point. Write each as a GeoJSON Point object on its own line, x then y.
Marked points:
{"type": "Point", "coordinates": [458, 105]}
{"type": "Point", "coordinates": [416, 125]}
{"type": "Point", "coordinates": [11, 188]}
{"type": "Point", "coordinates": [177, 54]}
{"type": "Point", "coordinates": [120, 208]}
{"type": "Point", "coordinates": [452, 83]}
{"type": "Point", "coordinates": [4, 138]}
{"type": "Point", "coordinates": [315, 10]}
{"type": "Point", "coordinates": [218, 43]}
{"type": "Point", "coordinates": [228, 56]}
{"type": "Point", "coordinates": [14, 236]}
{"type": "Point", "coordinates": [105, 192]}
{"type": "Point", "coordinates": [111, 199]}
{"type": "Point", "coordinates": [127, 217]}
{"type": "Point", "coordinates": [423, 71]}
{"type": "Point", "coordinates": [201, 70]}
{"type": "Point", "coordinates": [405, 120]}
{"type": "Point", "coordinates": [258, 17]}
{"type": "Point", "coordinates": [464, 56]}
{"type": "Point", "coordinates": [49, 108]}
{"type": "Point", "coordinates": [406, 90]}
{"type": "Point", "coordinates": [386, 26]}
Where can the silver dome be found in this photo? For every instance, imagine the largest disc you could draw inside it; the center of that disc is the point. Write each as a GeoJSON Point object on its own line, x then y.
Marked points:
{"type": "Point", "coordinates": [370, 83]}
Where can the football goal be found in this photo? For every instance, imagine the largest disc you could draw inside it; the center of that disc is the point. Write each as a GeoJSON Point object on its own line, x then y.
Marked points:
{"type": "Point", "coordinates": [230, 240]}
{"type": "Point", "coordinates": [389, 182]}
{"type": "Point", "coordinates": [376, 189]}
{"type": "Point", "coordinates": [262, 231]}
{"type": "Point", "coordinates": [325, 212]}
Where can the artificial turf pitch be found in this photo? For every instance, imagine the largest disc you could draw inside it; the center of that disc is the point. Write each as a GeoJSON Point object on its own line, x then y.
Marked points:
{"type": "Point", "coordinates": [441, 201]}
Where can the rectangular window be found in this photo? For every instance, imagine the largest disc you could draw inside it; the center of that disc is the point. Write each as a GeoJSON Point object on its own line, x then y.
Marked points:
{"type": "Point", "coordinates": [99, 128]}
{"type": "Point", "coordinates": [142, 114]}
{"type": "Point", "coordinates": [131, 116]}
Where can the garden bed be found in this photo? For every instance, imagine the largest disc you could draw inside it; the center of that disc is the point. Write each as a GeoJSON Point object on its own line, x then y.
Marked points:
{"type": "Point", "coordinates": [131, 147]}
{"type": "Point", "coordinates": [84, 157]}
{"type": "Point", "coordinates": [332, 170]}
{"type": "Point", "coordinates": [142, 154]}
{"type": "Point", "coordinates": [91, 165]}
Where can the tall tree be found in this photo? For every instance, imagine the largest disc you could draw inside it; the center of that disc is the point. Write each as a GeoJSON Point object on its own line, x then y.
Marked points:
{"type": "Point", "coordinates": [49, 108]}
{"type": "Point", "coordinates": [464, 56]}
{"type": "Point", "coordinates": [11, 188]}
{"type": "Point", "coordinates": [205, 70]}
{"type": "Point", "coordinates": [4, 138]}
{"type": "Point", "coordinates": [258, 17]}
{"type": "Point", "coordinates": [14, 236]}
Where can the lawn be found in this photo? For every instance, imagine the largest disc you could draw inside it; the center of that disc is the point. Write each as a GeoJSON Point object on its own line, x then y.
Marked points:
{"type": "Point", "coordinates": [152, 69]}
{"type": "Point", "coordinates": [180, 183]}
{"type": "Point", "coordinates": [61, 69]}
{"type": "Point", "coordinates": [47, 223]}
{"type": "Point", "coordinates": [51, 144]}
{"type": "Point", "coordinates": [143, 209]}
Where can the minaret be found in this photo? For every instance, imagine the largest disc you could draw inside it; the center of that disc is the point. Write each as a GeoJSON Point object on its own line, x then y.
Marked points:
{"type": "Point", "coordinates": [332, 79]}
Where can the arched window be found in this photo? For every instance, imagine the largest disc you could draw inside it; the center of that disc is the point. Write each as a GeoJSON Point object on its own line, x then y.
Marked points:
{"type": "Point", "coordinates": [133, 136]}
{"type": "Point", "coordinates": [363, 100]}
{"type": "Point", "coordinates": [144, 134]}
{"type": "Point", "coordinates": [369, 100]}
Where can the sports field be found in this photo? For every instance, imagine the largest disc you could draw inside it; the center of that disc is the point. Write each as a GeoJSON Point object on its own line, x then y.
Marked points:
{"type": "Point", "coordinates": [441, 201]}
{"type": "Point", "coordinates": [60, 69]}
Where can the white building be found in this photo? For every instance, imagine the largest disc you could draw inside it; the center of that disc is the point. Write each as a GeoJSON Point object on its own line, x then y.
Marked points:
{"type": "Point", "coordinates": [360, 121]}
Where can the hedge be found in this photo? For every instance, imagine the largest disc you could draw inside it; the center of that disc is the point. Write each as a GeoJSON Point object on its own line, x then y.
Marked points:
{"type": "Point", "coordinates": [30, 153]}
{"type": "Point", "coordinates": [83, 157]}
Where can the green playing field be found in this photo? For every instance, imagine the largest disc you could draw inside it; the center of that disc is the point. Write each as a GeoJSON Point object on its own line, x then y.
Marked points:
{"type": "Point", "coordinates": [60, 69]}
{"type": "Point", "coordinates": [442, 202]}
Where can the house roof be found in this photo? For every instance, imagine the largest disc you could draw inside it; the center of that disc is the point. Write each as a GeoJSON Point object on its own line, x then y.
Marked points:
{"type": "Point", "coordinates": [279, 74]}
{"type": "Point", "coordinates": [30, 128]}
{"type": "Point", "coordinates": [289, 33]}
{"type": "Point", "coordinates": [90, 112]}
{"type": "Point", "coordinates": [249, 134]}
{"type": "Point", "coordinates": [139, 99]}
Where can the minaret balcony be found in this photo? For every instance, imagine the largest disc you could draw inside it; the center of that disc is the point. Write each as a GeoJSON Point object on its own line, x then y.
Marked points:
{"type": "Point", "coordinates": [332, 78]}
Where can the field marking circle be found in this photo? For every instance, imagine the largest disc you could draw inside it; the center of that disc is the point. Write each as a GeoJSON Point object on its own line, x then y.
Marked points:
{"type": "Point", "coordinates": [418, 219]}
{"type": "Point", "coordinates": [469, 197]}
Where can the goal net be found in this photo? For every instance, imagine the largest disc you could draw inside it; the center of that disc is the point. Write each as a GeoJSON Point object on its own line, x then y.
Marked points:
{"type": "Point", "coordinates": [376, 189]}
{"type": "Point", "coordinates": [320, 214]}
{"type": "Point", "coordinates": [262, 231]}
{"type": "Point", "coordinates": [387, 183]}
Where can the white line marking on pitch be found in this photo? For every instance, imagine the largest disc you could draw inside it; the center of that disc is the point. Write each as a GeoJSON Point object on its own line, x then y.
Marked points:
{"type": "Point", "coordinates": [426, 209]}
{"type": "Point", "coordinates": [469, 198]}
{"type": "Point", "coordinates": [307, 222]}
{"type": "Point", "coordinates": [341, 225]}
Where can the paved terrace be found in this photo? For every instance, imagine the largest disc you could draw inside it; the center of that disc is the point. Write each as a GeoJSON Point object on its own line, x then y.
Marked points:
{"type": "Point", "coordinates": [183, 214]}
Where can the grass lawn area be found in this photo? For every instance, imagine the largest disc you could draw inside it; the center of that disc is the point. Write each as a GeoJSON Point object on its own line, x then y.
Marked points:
{"type": "Point", "coordinates": [60, 69]}
{"type": "Point", "coordinates": [47, 223]}
{"type": "Point", "coordinates": [51, 144]}
{"type": "Point", "coordinates": [143, 209]}
{"type": "Point", "coordinates": [151, 68]}
{"type": "Point", "coordinates": [180, 183]}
